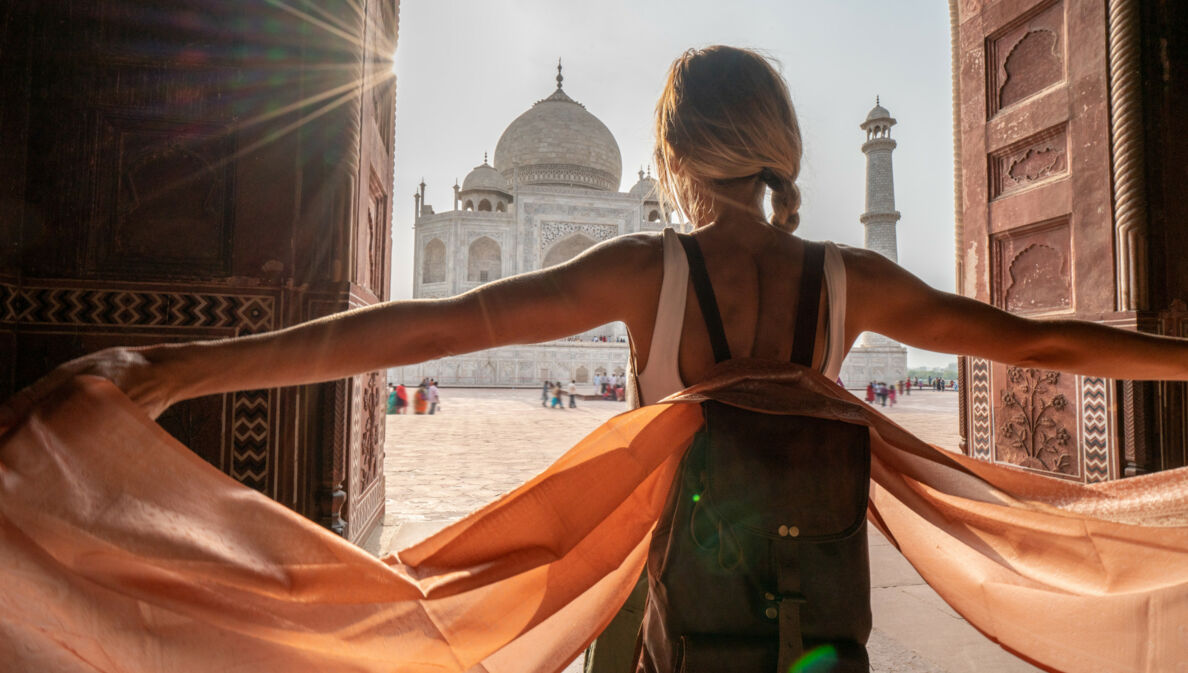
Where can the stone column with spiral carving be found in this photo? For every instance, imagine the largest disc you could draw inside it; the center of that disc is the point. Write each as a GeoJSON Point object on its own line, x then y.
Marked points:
{"type": "Point", "coordinates": [1129, 169]}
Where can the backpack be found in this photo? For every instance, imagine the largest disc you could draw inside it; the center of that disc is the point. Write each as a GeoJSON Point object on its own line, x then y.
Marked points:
{"type": "Point", "coordinates": [759, 559]}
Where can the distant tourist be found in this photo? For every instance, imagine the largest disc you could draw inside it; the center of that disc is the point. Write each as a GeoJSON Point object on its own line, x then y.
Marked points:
{"type": "Point", "coordinates": [556, 397]}
{"type": "Point", "coordinates": [870, 392]}
{"type": "Point", "coordinates": [401, 399]}
{"type": "Point", "coordinates": [391, 398]}
{"type": "Point", "coordinates": [421, 398]}
{"type": "Point", "coordinates": [544, 394]}
{"type": "Point", "coordinates": [433, 398]}
{"type": "Point", "coordinates": [572, 394]}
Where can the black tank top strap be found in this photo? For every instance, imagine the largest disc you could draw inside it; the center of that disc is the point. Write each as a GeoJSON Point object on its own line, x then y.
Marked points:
{"type": "Point", "coordinates": [809, 304]}
{"type": "Point", "coordinates": [705, 298]}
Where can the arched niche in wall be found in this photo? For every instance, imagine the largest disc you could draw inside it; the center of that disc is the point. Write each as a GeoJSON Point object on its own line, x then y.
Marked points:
{"type": "Point", "coordinates": [484, 261]}
{"type": "Point", "coordinates": [485, 205]}
{"type": "Point", "coordinates": [433, 264]}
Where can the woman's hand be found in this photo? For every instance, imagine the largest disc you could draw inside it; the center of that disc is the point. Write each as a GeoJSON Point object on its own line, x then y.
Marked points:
{"type": "Point", "coordinates": [131, 370]}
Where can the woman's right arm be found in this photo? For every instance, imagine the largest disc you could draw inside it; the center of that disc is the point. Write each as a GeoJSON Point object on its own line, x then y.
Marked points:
{"type": "Point", "coordinates": [885, 298]}
{"type": "Point", "coordinates": [596, 287]}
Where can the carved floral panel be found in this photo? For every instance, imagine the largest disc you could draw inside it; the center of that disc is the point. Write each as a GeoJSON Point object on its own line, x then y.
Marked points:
{"type": "Point", "coordinates": [1036, 420]}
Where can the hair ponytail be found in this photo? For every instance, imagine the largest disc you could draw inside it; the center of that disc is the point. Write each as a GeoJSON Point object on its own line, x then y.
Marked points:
{"type": "Point", "coordinates": [785, 200]}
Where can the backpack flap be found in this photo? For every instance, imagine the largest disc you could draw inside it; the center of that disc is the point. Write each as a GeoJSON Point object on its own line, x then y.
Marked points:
{"type": "Point", "coordinates": [793, 478]}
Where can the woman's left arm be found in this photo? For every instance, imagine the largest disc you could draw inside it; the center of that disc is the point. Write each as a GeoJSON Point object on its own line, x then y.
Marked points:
{"type": "Point", "coordinates": [885, 298]}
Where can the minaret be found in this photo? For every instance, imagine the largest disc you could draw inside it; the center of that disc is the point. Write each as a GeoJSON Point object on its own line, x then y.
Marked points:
{"type": "Point", "coordinates": [880, 216]}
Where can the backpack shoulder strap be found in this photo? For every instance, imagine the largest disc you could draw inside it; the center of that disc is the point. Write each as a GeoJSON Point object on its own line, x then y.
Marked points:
{"type": "Point", "coordinates": [808, 306]}
{"type": "Point", "coordinates": [705, 298]}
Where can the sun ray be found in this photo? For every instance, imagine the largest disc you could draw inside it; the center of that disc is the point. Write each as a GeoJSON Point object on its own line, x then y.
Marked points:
{"type": "Point", "coordinates": [314, 7]}
{"type": "Point", "coordinates": [312, 20]}
{"type": "Point", "coordinates": [348, 93]}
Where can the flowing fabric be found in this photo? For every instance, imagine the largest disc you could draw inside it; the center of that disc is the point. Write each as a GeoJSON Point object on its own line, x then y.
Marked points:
{"type": "Point", "coordinates": [121, 550]}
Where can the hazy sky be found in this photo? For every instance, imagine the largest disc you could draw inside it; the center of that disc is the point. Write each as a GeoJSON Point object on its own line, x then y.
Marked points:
{"type": "Point", "coordinates": [466, 68]}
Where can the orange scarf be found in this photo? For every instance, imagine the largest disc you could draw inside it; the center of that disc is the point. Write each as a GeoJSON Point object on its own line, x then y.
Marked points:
{"type": "Point", "coordinates": [123, 551]}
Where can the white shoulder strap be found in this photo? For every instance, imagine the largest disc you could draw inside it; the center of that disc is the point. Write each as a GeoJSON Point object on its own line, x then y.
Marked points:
{"type": "Point", "coordinates": [835, 290]}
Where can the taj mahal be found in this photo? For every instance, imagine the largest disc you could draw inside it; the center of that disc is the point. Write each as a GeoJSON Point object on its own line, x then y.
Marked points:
{"type": "Point", "coordinates": [550, 192]}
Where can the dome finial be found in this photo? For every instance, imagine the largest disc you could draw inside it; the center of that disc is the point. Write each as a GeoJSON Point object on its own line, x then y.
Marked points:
{"type": "Point", "coordinates": [484, 158]}
{"type": "Point", "coordinates": [559, 77]}
{"type": "Point", "coordinates": [876, 99]}
{"type": "Point", "coordinates": [641, 172]}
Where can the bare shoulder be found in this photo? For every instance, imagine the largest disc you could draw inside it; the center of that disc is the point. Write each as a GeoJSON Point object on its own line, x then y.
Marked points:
{"type": "Point", "coordinates": [864, 263]}
{"type": "Point", "coordinates": [625, 272]}
{"type": "Point", "coordinates": [870, 273]}
{"type": "Point", "coordinates": [640, 247]}
{"type": "Point", "coordinates": [630, 256]}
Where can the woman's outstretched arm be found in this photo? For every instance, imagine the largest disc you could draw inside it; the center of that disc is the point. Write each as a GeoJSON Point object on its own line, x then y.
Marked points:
{"type": "Point", "coordinates": [883, 297]}
{"type": "Point", "coordinates": [604, 284]}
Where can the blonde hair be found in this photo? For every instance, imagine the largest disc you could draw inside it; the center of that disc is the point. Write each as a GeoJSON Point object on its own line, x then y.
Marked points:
{"type": "Point", "coordinates": [726, 114]}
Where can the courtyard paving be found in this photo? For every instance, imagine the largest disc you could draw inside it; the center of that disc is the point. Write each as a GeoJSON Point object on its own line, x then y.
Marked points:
{"type": "Point", "coordinates": [484, 442]}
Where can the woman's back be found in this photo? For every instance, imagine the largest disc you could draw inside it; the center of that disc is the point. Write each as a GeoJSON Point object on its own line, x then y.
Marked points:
{"type": "Point", "coordinates": [756, 274]}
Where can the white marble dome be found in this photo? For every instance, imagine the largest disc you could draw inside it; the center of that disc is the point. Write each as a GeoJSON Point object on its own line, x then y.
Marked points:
{"type": "Point", "coordinates": [485, 177]}
{"type": "Point", "coordinates": [558, 142]}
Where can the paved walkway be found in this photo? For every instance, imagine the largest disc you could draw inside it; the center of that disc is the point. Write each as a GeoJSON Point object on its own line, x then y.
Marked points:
{"type": "Point", "coordinates": [485, 442]}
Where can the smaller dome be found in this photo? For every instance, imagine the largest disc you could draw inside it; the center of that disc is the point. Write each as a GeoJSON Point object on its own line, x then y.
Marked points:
{"type": "Point", "coordinates": [645, 189]}
{"type": "Point", "coordinates": [878, 112]}
{"type": "Point", "coordinates": [485, 177]}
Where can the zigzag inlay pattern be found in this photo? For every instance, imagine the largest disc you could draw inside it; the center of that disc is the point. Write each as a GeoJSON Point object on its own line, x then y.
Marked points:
{"type": "Point", "coordinates": [249, 435]}
{"type": "Point", "coordinates": [34, 305]}
{"type": "Point", "coordinates": [1095, 429]}
{"type": "Point", "coordinates": [979, 398]}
